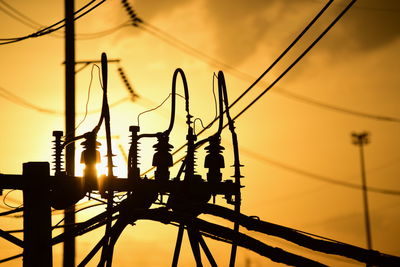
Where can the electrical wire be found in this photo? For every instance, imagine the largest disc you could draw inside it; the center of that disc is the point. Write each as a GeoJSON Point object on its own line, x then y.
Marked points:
{"type": "Point", "coordinates": [51, 28]}
{"type": "Point", "coordinates": [275, 62]}
{"type": "Point", "coordinates": [8, 205]}
{"type": "Point", "coordinates": [305, 52]}
{"type": "Point", "coordinates": [316, 176]}
{"type": "Point", "coordinates": [99, 34]}
{"type": "Point", "coordinates": [290, 46]}
{"type": "Point", "coordinates": [247, 77]}
{"type": "Point", "coordinates": [155, 108]}
{"type": "Point", "coordinates": [79, 210]}
{"type": "Point", "coordinates": [88, 95]}
{"type": "Point", "coordinates": [10, 14]}
{"type": "Point", "coordinates": [24, 19]}
{"type": "Point", "coordinates": [336, 108]}
{"type": "Point", "coordinates": [21, 102]}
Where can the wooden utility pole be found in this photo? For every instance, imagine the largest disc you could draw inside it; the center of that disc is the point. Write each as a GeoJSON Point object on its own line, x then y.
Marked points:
{"type": "Point", "coordinates": [37, 215]}
{"type": "Point", "coordinates": [69, 244]}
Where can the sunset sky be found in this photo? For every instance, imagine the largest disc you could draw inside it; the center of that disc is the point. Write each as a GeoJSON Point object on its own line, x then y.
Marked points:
{"type": "Point", "coordinates": [295, 142]}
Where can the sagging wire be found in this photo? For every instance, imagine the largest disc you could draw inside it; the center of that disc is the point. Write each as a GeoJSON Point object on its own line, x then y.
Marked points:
{"type": "Point", "coordinates": [155, 108]}
{"type": "Point", "coordinates": [88, 95]}
{"type": "Point", "coordinates": [24, 19]}
{"type": "Point", "coordinates": [309, 25]}
{"type": "Point", "coordinates": [51, 28]}
{"type": "Point", "coordinates": [152, 109]}
{"type": "Point", "coordinates": [8, 205]}
{"type": "Point", "coordinates": [79, 210]}
{"type": "Point", "coordinates": [305, 52]}
{"type": "Point", "coordinates": [215, 108]}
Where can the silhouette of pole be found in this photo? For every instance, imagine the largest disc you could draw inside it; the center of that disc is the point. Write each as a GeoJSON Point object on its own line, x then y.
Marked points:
{"type": "Point", "coordinates": [37, 215]}
{"type": "Point", "coordinates": [360, 140]}
{"type": "Point", "coordinates": [69, 244]}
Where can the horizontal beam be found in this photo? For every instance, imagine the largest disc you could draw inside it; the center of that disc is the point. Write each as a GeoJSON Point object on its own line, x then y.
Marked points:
{"type": "Point", "coordinates": [19, 182]}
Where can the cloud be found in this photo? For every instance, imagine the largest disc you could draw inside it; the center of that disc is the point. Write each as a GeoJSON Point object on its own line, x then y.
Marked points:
{"type": "Point", "coordinates": [149, 9]}
{"type": "Point", "coordinates": [368, 26]}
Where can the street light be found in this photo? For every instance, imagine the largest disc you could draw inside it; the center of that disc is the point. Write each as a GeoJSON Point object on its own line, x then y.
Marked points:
{"type": "Point", "coordinates": [361, 139]}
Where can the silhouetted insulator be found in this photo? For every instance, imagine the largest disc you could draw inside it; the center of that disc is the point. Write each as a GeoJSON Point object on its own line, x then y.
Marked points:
{"type": "Point", "coordinates": [133, 157]}
{"type": "Point", "coordinates": [162, 159]}
{"type": "Point", "coordinates": [214, 160]}
{"type": "Point", "coordinates": [90, 157]}
{"type": "Point", "coordinates": [58, 162]}
{"type": "Point", "coordinates": [127, 83]}
{"type": "Point", "coordinates": [131, 13]}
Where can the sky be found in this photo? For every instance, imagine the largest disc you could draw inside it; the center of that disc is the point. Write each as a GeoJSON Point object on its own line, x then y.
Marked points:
{"type": "Point", "coordinates": [295, 142]}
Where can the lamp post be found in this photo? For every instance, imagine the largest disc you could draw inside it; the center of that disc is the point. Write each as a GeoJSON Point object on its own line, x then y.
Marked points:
{"type": "Point", "coordinates": [361, 139]}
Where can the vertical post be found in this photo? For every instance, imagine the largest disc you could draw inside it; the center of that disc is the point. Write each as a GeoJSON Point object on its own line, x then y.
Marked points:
{"type": "Point", "coordinates": [361, 140]}
{"type": "Point", "coordinates": [69, 244]}
{"type": "Point", "coordinates": [37, 215]}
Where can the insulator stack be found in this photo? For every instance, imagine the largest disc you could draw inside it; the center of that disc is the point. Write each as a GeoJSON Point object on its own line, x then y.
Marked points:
{"type": "Point", "coordinates": [162, 159]}
{"type": "Point", "coordinates": [214, 160]}
{"type": "Point", "coordinates": [131, 13]}
{"type": "Point", "coordinates": [127, 83]}
{"type": "Point", "coordinates": [190, 173]}
{"type": "Point", "coordinates": [90, 157]}
{"type": "Point", "coordinates": [133, 157]}
{"type": "Point", "coordinates": [58, 161]}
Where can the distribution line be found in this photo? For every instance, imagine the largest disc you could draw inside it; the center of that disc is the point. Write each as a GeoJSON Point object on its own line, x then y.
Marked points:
{"type": "Point", "coordinates": [26, 20]}
{"type": "Point", "coordinates": [309, 25]}
{"type": "Point", "coordinates": [300, 57]}
{"type": "Point", "coordinates": [306, 51]}
{"type": "Point", "coordinates": [158, 33]}
{"type": "Point", "coordinates": [21, 102]}
{"type": "Point", "coordinates": [54, 26]}
{"type": "Point", "coordinates": [315, 176]}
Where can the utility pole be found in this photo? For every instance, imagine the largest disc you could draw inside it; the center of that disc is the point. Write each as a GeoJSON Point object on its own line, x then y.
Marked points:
{"type": "Point", "coordinates": [361, 139]}
{"type": "Point", "coordinates": [69, 244]}
{"type": "Point", "coordinates": [37, 215]}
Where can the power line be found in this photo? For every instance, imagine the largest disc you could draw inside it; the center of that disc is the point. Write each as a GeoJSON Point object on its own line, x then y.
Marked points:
{"type": "Point", "coordinates": [336, 108]}
{"type": "Point", "coordinates": [26, 20]}
{"type": "Point", "coordinates": [10, 14]}
{"type": "Point", "coordinates": [305, 52]}
{"type": "Point", "coordinates": [53, 27]}
{"type": "Point", "coordinates": [158, 33]}
{"type": "Point", "coordinates": [272, 65]}
{"type": "Point", "coordinates": [315, 176]}
{"type": "Point", "coordinates": [21, 102]}
{"type": "Point", "coordinates": [282, 74]}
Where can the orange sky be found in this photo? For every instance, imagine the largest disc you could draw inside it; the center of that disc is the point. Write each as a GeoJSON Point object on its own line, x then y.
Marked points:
{"type": "Point", "coordinates": [354, 67]}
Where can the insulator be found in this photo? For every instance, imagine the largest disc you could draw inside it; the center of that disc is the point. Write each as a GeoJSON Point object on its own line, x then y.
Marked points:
{"type": "Point", "coordinates": [126, 82]}
{"type": "Point", "coordinates": [133, 157]}
{"type": "Point", "coordinates": [90, 156]}
{"type": "Point", "coordinates": [214, 160]}
{"type": "Point", "coordinates": [162, 159]}
{"type": "Point", "coordinates": [58, 162]}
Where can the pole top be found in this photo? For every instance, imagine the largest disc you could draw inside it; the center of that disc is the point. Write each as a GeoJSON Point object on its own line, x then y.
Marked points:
{"type": "Point", "coordinates": [360, 138]}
